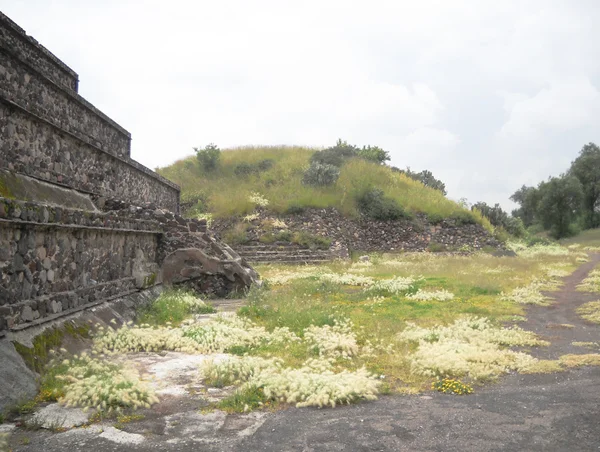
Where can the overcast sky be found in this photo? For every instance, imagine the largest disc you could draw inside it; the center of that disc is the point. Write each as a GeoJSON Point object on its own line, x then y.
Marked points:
{"type": "Point", "coordinates": [488, 95]}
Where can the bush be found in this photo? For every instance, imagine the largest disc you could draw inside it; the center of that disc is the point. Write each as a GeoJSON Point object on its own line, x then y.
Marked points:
{"type": "Point", "coordinates": [374, 204]}
{"type": "Point", "coordinates": [294, 209]}
{"type": "Point", "coordinates": [265, 164]}
{"type": "Point", "coordinates": [462, 217]}
{"type": "Point", "coordinates": [208, 157]}
{"type": "Point", "coordinates": [245, 169]}
{"type": "Point", "coordinates": [435, 247]}
{"type": "Point", "coordinates": [336, 155]}
{"type": "Point", "coordinates": [281, 236]}
{"type": "Point", "coordinates": [237, 235]}
{"type": "Point", "coordinates": [435, 218]}
{"type": "Point", "coordinates": [514, 226]}
{"type": "Point", "coordinates": [532, 241]}
{"type": "Point", "coordinates": [374, 154]}
{"type": "Point", "coordinates": [313, 242]}
{"type": "Point", "coordinates": [321, 174]}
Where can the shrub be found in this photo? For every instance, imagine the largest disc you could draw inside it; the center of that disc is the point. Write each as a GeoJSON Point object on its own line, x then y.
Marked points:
{"type": "Point", "coordinates": [435, 247]}
{"type": "Point", "coordinates": [321, 174]}
{"type": "Point", "coordinates": [237, 235]}
{"type": "Point", "coordinates": [313, 242]}
{"type": "Point", "coordinates": [294, 209]}
{"type": "Point", "coordinates": [245, 169]}
{"type": "Point", "coordinates": [514, 226]}
{"type": "Point", "coordinates": [93, 382]}
{"type": "Point", "coordinates": [462, 217]}
{"type": "Point", "coordinates": [173, 306]}
{"type": "Point", "coordinates": [336, 155]}
{"type": "Point", "coordinates": [374, 154]}
{"type": "Point", "coordinates": [265, 164]}
{"type": "Point", "coordinates": [435, 218]}
{"type": "Point", "coordinates": [208, 157]}
{"type": "Point", "coordinates": [374, 204]}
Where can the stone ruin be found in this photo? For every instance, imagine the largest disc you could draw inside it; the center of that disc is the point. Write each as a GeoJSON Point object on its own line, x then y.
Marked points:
{"type": "Point", "coordinates": [81, 222]}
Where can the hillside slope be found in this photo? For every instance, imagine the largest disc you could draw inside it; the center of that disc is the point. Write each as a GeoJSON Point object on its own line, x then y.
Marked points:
{"type": "Point", "coordinates": [275, 174]}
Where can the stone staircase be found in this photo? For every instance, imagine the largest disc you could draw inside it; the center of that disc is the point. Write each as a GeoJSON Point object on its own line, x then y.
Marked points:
{"type": "Point", "coordinates": [283, 254]}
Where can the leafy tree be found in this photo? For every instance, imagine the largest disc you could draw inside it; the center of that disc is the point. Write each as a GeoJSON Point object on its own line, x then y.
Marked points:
{"type": "Point", "coordinates": [342, 151]}
{"type": "Point", "coordinates": [528, 199]}
{"type": "Point", "coordinates": [559, 204]}
{"type": "Point", "coordinates": [335, 155]}
{"type": "Point", "coordinates": [499, 218]}
{"type": "Point", "coordinates": [426, 177]}
{"type": "Point", "coordinates": [586, 168]}
{"type": "Point", "coordinates": [374, 154]}
{"type": "Point", "coordinates": [208, 157]}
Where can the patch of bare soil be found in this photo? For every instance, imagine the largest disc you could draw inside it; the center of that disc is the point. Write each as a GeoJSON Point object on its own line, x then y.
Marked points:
{"type": "Point", "coordinates": [559, 323]}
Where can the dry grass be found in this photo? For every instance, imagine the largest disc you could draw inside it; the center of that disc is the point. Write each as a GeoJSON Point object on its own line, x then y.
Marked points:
{"type": "Point", "coordinates": [590, 311]}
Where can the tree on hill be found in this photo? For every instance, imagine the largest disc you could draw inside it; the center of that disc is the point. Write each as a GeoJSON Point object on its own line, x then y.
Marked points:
{"type": "Point", "coordinates": [586, 168]}
{"type": "Point", "coordinates": [499, 218]}
{"type": "Point", "coordinates": [559, 204]}
{"type": "Point", "coordinates": [338, 154]}
{"type": "Point", "coordinates": [374, 154]}
{"type": "Point", "coordinates": [528, 199]}
{"type": "Point", "coordinates": [426, 177]}
{"type": "Point", "coordinates": [208, 157]}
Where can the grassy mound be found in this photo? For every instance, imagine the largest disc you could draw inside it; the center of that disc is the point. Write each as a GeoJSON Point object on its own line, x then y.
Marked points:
{"type": "Point", "coordinates": [276, 174]}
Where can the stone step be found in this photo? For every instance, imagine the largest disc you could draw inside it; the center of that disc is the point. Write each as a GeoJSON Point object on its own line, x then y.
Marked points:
{"type": "Point", "coordinates": [290, 252]}
{"type": "Point", "coordinates": [289, 259]}
{"type": "Point", "coordinates": [270, 247]}
{"type": "Point", "coordinates": [284, 262]}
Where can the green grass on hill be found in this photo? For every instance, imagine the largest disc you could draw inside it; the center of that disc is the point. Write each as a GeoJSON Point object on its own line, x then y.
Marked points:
{"type": "Point", "coordinates": [226, 193]}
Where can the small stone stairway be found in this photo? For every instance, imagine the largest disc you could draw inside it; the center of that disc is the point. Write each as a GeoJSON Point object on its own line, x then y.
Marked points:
{"type": "Point", "coordinates": [283, 254]}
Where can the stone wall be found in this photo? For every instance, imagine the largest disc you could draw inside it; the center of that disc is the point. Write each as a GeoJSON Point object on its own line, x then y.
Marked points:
{"type": "Point", "coordinates": [35, 147]}
{"type": "Point", "coordinates": [81, 223]}
{"type": "Point", "coordinates": [14, 37]}
{"type": "Point", "coordinates": [54, 260]}
{"type": "Point", "coordinates": [51, 133]}
{"type": "Point", "coordinates": [368, 235]}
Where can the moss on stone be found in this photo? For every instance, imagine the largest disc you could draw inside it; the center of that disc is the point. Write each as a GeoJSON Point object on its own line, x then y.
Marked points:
{"type": "Point", "coordinates": [150, 280]}
{"type": "Point", "coordinates": [39, 355]}
{"type": "Point", "coordinates": [5, 191]}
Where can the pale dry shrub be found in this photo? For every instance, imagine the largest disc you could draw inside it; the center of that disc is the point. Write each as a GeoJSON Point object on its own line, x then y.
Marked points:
{"type": "Point", "coordinates": [314, 384]}
{"type": "Point", "coordinates": [394, 286]}
{"type": "Point", "coordinates": [530, 294]}
{"type": "Point", "coordinates": [346, 279]}
{"type": "Point", "coordinates": [589, 359]}
{"type": "Point", "coordinates": [471, 346]}
{"type": "Point", "coordinates": [591, 283]}
{"type": "Point", "coordinates": [585, 344]}
{"type": "Point", "coordinates": [4, 446]}
{"type": "Point", "coordinates": [537, 250]}
{"type": "Point", "coordinates": [96, 383]}
{"type": "Point", "coordinates": [215, 336]}
{"type": "Point", "coordinates": [258, 199]}
{"type": "Point", "coordinates": [144, 339]}
{"type": "Point", "coordinates": [435, 295]}
{"type": "Point", "coordinates": [227, 331]}
{"type": "Point", "coordinates": [281, 277]}
{"type": "Point", "coordinates": [337, 341]}
{"type": "Point", "coordinates": [590, 311]}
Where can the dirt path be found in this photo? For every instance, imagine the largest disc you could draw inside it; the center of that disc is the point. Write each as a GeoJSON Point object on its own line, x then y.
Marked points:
{"type": "Point", "coordinates": [544, 412]}
{"type": "Point", "coordinates": [559, 323]}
